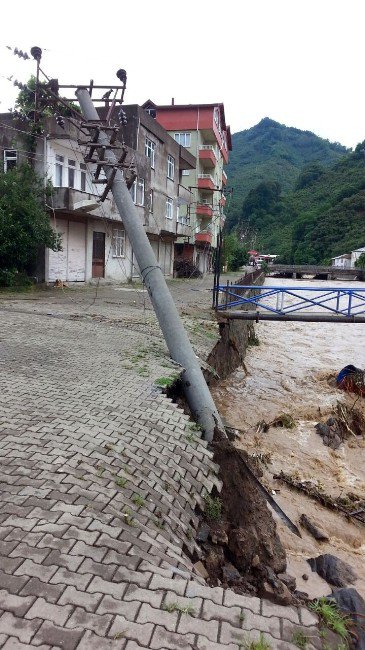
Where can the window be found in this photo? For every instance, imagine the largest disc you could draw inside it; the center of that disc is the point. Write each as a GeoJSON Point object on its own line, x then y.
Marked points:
{"type": "Point", "coordinates": [71, 172]}
{"type": "Point", "coordinates": [59, 170]}
{"type": "Point", "coordinates": [185, 172]}
{"type": "Point", "coordinates": [140, 191]}
{"type": "Point", "coordinates": [10, 159]}
{"type": "Point", "coordinates": [183, 139]}
{"type": "Point", "coordinates": [151, 201]}
{"type": "Point", "coordinates": [133, 191]}
{"type": "Point", "coordinates": [169, 208]}
{"type": "Point", "coordinates": [149, 151]}
{"type": "Point", "coordinates": [118, 242]}
{"type": "Point", "coordinates": [83, 177]}
{"type": "Point", "coordinates": [170, 167]}
{"type": "Point", "coordinates": [181, 218]}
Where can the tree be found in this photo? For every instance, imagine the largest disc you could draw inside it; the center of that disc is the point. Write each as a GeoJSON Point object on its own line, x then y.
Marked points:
{"type": "Point", "coordinates": [360, 262]}
{"type": "Point", "coordinates": [234, 253]}
{"type": "Point", "coordinates": [24, 222]}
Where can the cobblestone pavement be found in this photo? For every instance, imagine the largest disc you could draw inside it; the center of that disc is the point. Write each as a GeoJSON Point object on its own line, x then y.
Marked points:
{"type": "Point", "coordinates": [100, 477]}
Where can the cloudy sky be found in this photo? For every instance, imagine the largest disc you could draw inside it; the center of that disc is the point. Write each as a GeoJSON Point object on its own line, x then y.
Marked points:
{"type": "Point", "coordinates": [300, 63]}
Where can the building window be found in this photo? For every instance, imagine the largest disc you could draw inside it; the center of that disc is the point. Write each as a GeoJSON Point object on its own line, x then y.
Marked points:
{"type": "Point", "coordinates": [151, 201]}
{"type": "Point", "coordinates": [83, 177]}
{"type": "Point", "coordinates": [149, 151]}
{"type": "Point", "coordinates": [140, 191]}
{"type": "Point", "coordinates": [181, 218]}
{"type": "Point", "coordinates": [185, 172]}
{"type": "Point", "coordinates": [183, 138]}
{"type": "Point", "coordinates": [10, 159]}
{"type": "Point", "coordinates": [170, 167]}
{"type": "Point", "coordinates": [71, 172]}
{"type": "Point", "coordinates": [133, 191]}
{"type": "Point", "coordinates": [118, 242]}
{"type": "Point", "coordinates": [169, 208]}
{"type": "Point", "coordinates": [59, 170]}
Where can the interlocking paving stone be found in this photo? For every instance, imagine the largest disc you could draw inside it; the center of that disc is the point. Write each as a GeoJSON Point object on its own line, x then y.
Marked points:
{"type": "Point", "coordinates": [81, 564]}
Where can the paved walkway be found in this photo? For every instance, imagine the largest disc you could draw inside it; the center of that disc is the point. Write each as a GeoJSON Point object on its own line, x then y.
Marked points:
{"type": "Point", "coordinates": [100, 476]}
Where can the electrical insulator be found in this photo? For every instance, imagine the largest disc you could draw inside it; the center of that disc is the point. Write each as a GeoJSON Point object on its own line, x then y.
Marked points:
{"type": "Point", "coordinates": [122, 117]}
{"type": "Point", "coordinates": [60, 121]}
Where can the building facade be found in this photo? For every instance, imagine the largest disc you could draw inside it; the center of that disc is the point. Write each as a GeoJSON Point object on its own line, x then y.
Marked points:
{"type": "Point", "coordinates": [202, 130]}
{"type": "Point", "coordinates": [94, 243]}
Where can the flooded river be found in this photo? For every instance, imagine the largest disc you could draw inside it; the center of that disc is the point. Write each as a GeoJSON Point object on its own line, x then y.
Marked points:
{"type": "Point", "coordinates": [292, 370]}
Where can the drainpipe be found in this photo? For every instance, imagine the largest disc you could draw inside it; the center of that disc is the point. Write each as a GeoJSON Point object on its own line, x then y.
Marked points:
{"type": "Point", "coordinates": [195, 387]}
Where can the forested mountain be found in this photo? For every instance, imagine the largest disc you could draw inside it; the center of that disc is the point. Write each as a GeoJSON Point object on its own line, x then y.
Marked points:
{"type": "Point", "coordinates": [322, 217]}
{"type": "Point", "coordinates": [271, 151]}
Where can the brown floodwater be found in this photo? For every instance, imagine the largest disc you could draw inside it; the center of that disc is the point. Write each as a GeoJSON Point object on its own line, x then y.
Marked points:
{"type": "Point", "coordinates": [292, 370]}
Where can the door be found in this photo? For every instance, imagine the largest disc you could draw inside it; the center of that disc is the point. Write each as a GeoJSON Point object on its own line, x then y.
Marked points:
{"type": "Point", "coordinates": [69, 263]}
{"type": "Point", "coordinates": [76, 252]}
{"type": "Point", "coordinates": [98, 261]}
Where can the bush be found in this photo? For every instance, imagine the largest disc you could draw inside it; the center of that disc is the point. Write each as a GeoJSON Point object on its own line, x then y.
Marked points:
{"type": "Point", "coordinates": [186, 269]}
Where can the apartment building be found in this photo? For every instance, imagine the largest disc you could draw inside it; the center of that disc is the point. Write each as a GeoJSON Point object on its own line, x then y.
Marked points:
{"type": "Point", "coordinates": [201, 129]}
{"type": "Point", "coordinates": [94, 243]}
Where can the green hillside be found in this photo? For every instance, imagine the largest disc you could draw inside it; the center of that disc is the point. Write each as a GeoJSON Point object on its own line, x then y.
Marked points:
{"type": "Point", "coordinates": [322, 217]}
{"type": "Point", "coordinates": [271, 151]}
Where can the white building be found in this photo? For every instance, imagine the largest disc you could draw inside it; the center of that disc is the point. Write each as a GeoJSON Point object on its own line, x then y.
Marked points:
{"type": "Point", "coordinates": [342, 261]}
{"type": "Point", "coordinates": [355, 255]}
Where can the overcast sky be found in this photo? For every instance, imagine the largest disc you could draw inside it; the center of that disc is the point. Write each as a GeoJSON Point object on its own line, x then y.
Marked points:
{"type": "Point", "coordinates": [298, 62]}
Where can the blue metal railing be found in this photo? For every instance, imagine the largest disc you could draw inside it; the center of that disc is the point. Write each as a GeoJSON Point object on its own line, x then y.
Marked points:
{"type": "Point", "coordinates": [282, 300]}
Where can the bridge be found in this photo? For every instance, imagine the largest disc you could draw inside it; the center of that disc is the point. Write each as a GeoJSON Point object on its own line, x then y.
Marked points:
{"type": "Point", "coordinates": [325, 272]}
{"type": "Point", "coordinates": [291, 303]}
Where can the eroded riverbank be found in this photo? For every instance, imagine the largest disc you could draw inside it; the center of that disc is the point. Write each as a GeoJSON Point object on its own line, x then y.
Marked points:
{"type": "Point", "coordinates": [292, 371]}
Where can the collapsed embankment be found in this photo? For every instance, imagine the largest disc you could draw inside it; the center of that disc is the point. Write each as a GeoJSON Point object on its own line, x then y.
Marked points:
{"type": "Point", "coordinates": [238, 535]}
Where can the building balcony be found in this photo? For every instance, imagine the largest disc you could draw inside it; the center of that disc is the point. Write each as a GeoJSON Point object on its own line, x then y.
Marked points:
{"type": "Point", "coordinates": [71, 200]}
{"type": "Point", "coordinates": [207, 156]}
{"type": "Point", "coordinates": [206, 182]}
{"type": "Point", "coordinates": [203, 237]}
{"type": "Point", "coordinates": [224, 177]}
{"type": "Point", "coordinates": [223, 200]}
{"type": "Point", "coordinates": [204, 210]}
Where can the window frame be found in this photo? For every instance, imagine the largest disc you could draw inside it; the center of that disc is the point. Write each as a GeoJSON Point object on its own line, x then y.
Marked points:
{"type": "Point", "coordinates": [140, 190]}
{"type": "Point", "coordinates": [170, 167]}
{"type": "Point", "coordinates": [59, 166]}
{"type": "Point", "coordinates": [10, 158]}
{"type": "Point", "coordinates": [150, 151]}
{"type": "Point", "coordinates": [118, 243]}
{"type": "Point", "coordinates": [83, 170]}
{"type": "Point", "coordinates": [169, 208]}
{"type": "Point", "coordinates": [187, 137]}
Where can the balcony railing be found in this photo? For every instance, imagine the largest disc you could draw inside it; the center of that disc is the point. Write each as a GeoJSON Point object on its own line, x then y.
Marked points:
{"type": "Point", "coordinates": [206, 182]}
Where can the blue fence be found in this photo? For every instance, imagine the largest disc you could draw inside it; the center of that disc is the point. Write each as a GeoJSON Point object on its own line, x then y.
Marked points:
{"type": "Point", "coordinates": [283, 301]}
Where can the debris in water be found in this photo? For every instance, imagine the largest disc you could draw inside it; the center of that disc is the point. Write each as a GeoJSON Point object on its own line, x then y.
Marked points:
{"type": "Point", "coordinates": [347, 421]}
{"type": "Point", "coordinates": [313, 528]}
{"type": "Point", "coordinates": [351, 505]}
{"type": "Point", "coordinates": [352, 380]}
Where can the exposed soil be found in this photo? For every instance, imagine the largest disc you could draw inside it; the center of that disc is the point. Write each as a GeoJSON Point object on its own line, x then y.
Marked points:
{"type": "Point", "coordinates": [242, 549]}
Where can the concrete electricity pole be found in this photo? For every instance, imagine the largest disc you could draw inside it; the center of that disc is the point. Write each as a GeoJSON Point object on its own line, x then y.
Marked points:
{"type": "Point", "coordinates": [195, 387]}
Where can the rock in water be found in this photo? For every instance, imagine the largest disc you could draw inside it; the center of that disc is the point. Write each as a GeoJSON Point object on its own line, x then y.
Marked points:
{"type": "Point", "coordinates": [350, 603]}
{"type": "Point", "coordinates": [333, 570]}
{"type": "Point", "coordinates": [313, 528]}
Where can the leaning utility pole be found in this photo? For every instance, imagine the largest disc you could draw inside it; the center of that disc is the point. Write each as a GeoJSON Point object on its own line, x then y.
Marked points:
{"type": "Point", "coordinates": [195, 387]}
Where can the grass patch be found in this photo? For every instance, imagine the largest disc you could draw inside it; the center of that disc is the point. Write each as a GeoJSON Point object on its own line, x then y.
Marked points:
{"type": "Point", "coordinates": [177, 607]}
{"type": "Point", "coordinates": [261, 644]}
{"type": "Point", "coordinates": [165, 382]}
{"type": "Point", "coordinates": [120, 481]}
{"type": "Point", "coordinates": [138, 500]}
{"type": "Point", "coordinates": [329, 613]}
{"type": "Point", "coordinates": [253, 341]}
{"type": "Point", "coordinates": [300, 640]}
{"type": "Point", "coordinates": [213, 507]}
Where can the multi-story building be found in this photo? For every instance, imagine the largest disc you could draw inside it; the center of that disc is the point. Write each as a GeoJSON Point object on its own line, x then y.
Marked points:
{"type": "Point", "coordinates": [202, 130]}
{"type": "Point", "coordinates": [94, 242]}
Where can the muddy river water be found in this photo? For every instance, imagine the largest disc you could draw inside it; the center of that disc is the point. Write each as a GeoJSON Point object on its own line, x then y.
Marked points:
{"type": "Point", "coordinates": [292, 370]}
